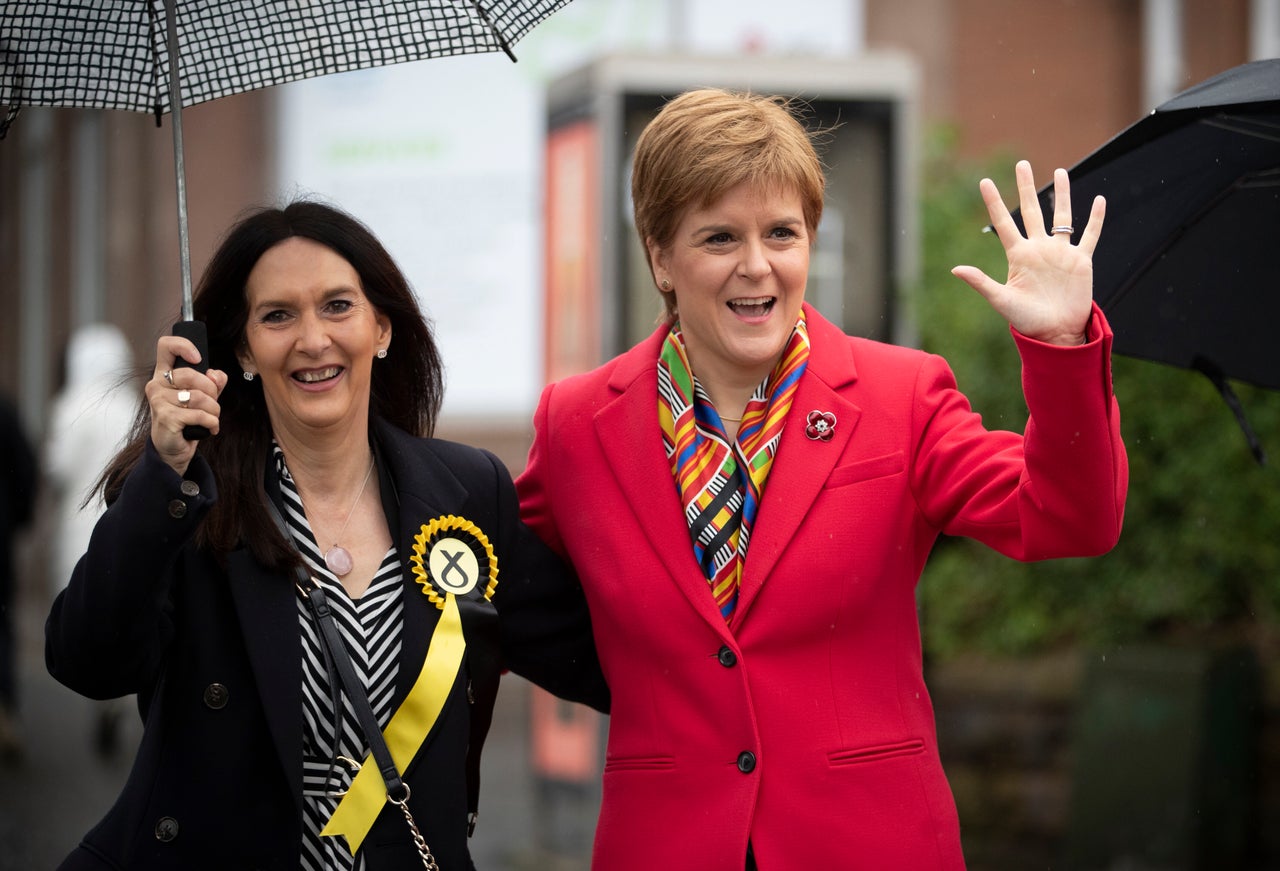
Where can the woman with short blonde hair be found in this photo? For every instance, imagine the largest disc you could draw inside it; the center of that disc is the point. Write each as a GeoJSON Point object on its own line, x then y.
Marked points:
{"type": "Point", "coordinates": [749, 497]}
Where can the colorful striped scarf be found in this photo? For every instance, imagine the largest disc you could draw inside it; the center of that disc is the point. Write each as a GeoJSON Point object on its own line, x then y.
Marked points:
{"type": "Point", "coordinates": [721, 484]}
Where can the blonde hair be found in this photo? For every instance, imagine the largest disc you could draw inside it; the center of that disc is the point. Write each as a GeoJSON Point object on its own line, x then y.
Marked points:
{"type": "Point", "coordinates": [705, 142]}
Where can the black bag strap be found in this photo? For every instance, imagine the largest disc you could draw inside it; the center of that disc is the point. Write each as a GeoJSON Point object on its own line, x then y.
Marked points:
{"type": "Point", "coordinates": [318, 601]}
{"type": "Point", "coordinates": [338, 663]}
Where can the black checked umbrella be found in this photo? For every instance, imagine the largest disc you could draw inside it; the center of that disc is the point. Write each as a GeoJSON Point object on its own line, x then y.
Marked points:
{"type": "Point", "coordinates": [1188, 265]}
{"type": "Point", "coordinates": [157, 55]}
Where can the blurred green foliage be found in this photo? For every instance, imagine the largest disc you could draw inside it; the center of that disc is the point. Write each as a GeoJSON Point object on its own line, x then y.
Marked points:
{"type": "Point", "coordinates": [1200, 551]}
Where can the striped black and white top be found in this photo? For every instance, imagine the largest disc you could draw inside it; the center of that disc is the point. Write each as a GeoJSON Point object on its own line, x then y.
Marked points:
{"type": "Point", "coordinates": [371, 627]}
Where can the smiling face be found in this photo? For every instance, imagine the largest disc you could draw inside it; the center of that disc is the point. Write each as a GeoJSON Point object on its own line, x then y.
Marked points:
{"type": "Point", "coordinates": [311, 335]}
{"type": "Point", "coordinates": [738, 269]}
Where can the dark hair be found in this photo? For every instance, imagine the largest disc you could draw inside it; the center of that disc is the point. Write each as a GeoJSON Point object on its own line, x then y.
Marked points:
{"type": "Point", "coordinates": [406, 388]}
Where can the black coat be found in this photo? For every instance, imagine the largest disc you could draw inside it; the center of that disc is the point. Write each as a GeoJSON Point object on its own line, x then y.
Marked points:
{"type": "Point", "coordinates": [215, 657]}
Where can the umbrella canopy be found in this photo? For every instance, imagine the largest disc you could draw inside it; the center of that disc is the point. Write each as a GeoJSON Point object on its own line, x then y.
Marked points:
{"type": "Point", "coordinates": [112, 54]}
{"type": "Point", "coordinates": [1188, 265]}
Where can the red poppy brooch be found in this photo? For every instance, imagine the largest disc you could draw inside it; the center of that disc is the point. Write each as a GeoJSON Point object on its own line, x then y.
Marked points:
{"type": "Point", "coordinates": [821, 426]}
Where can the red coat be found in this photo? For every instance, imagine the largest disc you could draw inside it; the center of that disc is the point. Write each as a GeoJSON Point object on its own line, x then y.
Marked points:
{"type": "Point", "coordinates": [805, 726]}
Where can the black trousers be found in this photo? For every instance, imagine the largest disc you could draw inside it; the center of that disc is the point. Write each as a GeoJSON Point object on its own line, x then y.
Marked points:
{"type": "Point", "coordinates": [751, 859]}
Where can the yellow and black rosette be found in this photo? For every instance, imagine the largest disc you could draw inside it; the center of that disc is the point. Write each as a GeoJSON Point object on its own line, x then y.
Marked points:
{"type": "Point", "coordinates": [452, 555]}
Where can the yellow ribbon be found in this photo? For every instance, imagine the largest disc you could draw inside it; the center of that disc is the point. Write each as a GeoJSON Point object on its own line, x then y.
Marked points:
{"type": "Point", "coordinates": [408, 728]}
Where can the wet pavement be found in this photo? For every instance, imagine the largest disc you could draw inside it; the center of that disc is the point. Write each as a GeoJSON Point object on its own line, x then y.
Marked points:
{"type": "Point", "coordinates": [63, 784]}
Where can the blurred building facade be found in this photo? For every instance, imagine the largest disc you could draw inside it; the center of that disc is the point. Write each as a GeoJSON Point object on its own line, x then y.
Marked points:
{"type": "Point", "coordinates": [87, 204]}
{"type": "Point", "coordinates": [1052, 81]}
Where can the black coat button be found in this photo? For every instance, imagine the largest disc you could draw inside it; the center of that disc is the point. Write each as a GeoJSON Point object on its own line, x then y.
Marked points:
{"type": "Point", "coordinates": [727, 657]}
{"type": "Point", "coordinates": [189, 488]}
{"type": "Point", "coordinates": [215, 696]}
{"type": "Point", "coordinates": [177, 509]}
{"type": "Point", "coordinates": [166, 829]}
{"type": "Point", "coordinates": [746, 762]}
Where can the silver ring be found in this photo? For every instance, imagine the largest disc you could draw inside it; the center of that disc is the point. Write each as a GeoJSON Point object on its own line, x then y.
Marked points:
{"type": "Point", "coordinates": [184, 397]}
{"type": "Point", "coordinates": [168, 376]}
{"type": "Point", "coordinates": [1063, 229]}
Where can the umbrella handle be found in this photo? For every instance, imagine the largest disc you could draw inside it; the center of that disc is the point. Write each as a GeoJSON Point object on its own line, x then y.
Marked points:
{"type": "Point", "coordinates": [198, 334]}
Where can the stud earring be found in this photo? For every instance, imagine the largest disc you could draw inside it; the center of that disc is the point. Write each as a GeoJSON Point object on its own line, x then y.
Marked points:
{"type": "Point", "coordinates": [248, 376]}
{"type": "Point", "coordinates": [382, 353]}
{"type": "Point", "coordinates": [665, 285]}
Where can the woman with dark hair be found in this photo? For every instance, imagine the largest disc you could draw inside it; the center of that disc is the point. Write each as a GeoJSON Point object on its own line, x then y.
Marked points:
{"type": "Point", "coordinates": [313, 584]}
{"type": "Point", "coordinates": [749, 497]}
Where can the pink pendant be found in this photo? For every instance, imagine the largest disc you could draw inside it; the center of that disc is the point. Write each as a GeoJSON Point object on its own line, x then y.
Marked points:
{"type": "Point", "coordinates": [338, 559]}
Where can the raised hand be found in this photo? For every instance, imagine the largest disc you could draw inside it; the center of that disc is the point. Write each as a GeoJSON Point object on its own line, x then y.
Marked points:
{"type": "Point", "coordinates": [1048, 293]}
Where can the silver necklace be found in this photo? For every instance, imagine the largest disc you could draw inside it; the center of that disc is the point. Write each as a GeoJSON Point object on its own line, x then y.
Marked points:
{"type": "Point", "coordinates": [337, 557]}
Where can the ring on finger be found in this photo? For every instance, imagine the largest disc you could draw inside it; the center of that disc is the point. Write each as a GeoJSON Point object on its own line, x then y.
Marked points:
{"type": "Point", "coordinates": [1062, 230]}
{"type": "Point", "coordinates": [168, 377]}
{"type": "Point", "coordinates": [184, 398]}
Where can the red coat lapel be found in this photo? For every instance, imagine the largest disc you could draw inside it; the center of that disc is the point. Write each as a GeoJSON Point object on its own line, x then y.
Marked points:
{"type": "Point", "coordinates": [629, 435]}
{"type": "Point", "coordinates": [802, 465]}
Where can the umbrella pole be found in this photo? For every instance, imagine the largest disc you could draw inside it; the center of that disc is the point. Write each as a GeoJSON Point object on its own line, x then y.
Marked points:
{"type": "Point", "coordinates": [179, 167]}
{"type": "Point", "coordinates": [188, 327]}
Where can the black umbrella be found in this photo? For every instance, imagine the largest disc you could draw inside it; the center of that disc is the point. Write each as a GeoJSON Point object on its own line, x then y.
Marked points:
{"type": "Point", "coordinates": [154, 55]}
{"type": "Point", "coordinates": [1188, 266]}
